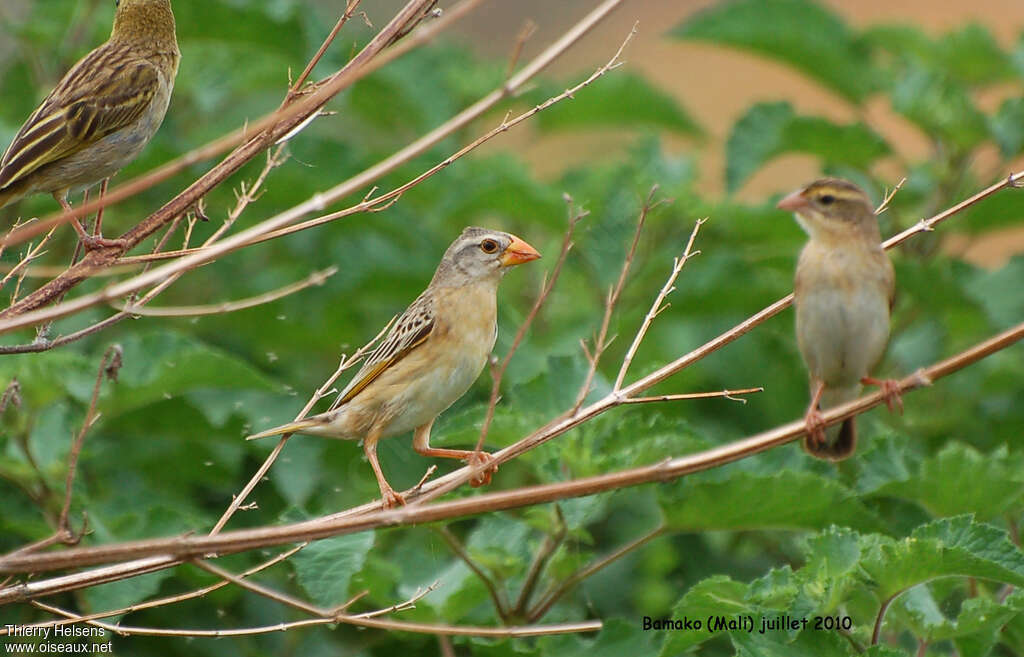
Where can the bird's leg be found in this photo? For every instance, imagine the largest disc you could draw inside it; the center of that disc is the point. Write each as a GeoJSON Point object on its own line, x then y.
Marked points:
{"type": "Point", "coordinates": [387, 494]}
{"type": "Point", "coordinates": [890, 390]}
{"type": "Point", "coordinates": [90, 242]}
{"type": "Point", "coordinates": [812, 419]}
{"type": "Point", "coordinates": [421, 443]}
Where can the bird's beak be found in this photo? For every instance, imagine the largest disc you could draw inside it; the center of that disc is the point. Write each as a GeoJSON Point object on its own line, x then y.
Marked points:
{"type": "Point", "coordinates": [517, 253]}
{"type": "Point", "coordinates": [793, 202]}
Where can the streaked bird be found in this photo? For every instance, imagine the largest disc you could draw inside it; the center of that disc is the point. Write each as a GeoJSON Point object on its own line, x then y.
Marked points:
{"type": "Point", "coordinates": [429, 358]}
{"type": "Point", "coordinates": [100, 115]}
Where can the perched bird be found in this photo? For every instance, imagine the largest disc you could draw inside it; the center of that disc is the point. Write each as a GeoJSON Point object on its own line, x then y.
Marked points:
{"type": "Point", "coordinates": [429, 358]}
{"type": "Point", "coordinates": [101, 114]}
{"type": "Point", "coordinates": [843, 294]}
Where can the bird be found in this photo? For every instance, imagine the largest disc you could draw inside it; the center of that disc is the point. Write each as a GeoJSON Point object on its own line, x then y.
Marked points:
{"type": "Point", "coordinates": [843, 292]}
{"type": "Point", "coordinates": [429, 357]}
{"type": "Point", "coordinates": [100, 115]}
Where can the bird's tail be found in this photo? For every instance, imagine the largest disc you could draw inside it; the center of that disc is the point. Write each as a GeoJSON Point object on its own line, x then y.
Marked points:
{"type": "Point", "coordinates": [299, 426]}
{"type": "Point", "coordinates": [841, 439]}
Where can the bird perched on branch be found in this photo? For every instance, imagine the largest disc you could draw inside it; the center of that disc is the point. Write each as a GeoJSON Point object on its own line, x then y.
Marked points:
{"type": "Point", "coordinates": [429, 358]}
{"type": "Point", "coordinates": [843, 294]}
{"type": "Point", "coordinates": [101, 114]}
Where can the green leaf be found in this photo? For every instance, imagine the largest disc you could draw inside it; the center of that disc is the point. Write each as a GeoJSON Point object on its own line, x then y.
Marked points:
{"type": "Point", "coordinates": [162, 365]}
{"type": "Point", "coordinates": [940, 106]}
{"type": "Point", "coordinates": [768, 130]}
{"type": "Point", "coordinates": [800, 33]}
{"type": "Point", "coordinates": [944, 548]}
{"type": "Point", "coordinates": [715, 596]}
{"type": "Point", "coordinates": [618, 100]}
{"type": "Point", "coordinates": [787, 499]}
{"type": "Point", "coordinates": [947, 483]}
{"type": "Point", "coordinates": [998, 292]}
{"type": "Point", "coordinates": [617, 637]}
{"type": "Point", "coordinates": [1007, 126]}
{"type": "Point", "coordinates": [809, 643]}
{"type": "Point", "coordinates": [977, 616]}
{"type": "Point", "coordinates": [325, 568]}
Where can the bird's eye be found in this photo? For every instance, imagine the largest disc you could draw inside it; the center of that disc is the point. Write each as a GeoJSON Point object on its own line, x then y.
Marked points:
{"type": "Point", "coordinates": [489, 246]}
{"type": "Point", "coordinates": [827, 199]}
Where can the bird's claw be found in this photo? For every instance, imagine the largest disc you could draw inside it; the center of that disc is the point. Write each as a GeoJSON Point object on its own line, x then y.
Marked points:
{"type": "Point", "coordinates": [95, 242]}
{"type": "Point", "coordinates": [815, 427]}
{"type": "Point", "coordinates": [390, 498]}
{"type": "Point", "coordinates": [890, 392]}
{"type": "Point", "coordinates": [482, 459]}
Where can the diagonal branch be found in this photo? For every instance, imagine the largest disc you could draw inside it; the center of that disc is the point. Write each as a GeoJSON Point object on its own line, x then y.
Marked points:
{"type": "Point", "coordinates": [188, 547]}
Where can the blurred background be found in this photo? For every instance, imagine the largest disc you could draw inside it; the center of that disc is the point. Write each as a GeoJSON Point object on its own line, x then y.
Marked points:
{"type": "Point", "coordinates": [725, 106]}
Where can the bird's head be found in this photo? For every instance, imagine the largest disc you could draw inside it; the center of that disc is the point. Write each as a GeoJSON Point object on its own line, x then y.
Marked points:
{"type": "Point", "coordinates": [481, 253]}
{"type": "Point", "coordinates": [143, 20]}
{"type": "Point", "coordinates": [831, 207]}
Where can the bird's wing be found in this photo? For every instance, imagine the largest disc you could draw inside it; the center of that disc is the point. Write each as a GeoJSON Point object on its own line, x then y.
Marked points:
{"type": "Point", "coordinates": [101, 94]}
{"type": "Point", "coordinates": [410, 331]}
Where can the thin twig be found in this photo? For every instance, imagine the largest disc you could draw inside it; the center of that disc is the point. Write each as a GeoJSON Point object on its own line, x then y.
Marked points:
{"type": "Point", "coordinates": [316, 278]}
{"type": "Point", "coordinates": [570, 582]}
{"type": "Point", "coordinates": [188, 547]}
{"type": "Point", "coordinates": [320, 393]}
{"type": "Point", "coordinates": [165, 601]}
{"type": "Point", "coordinates": [270, 228]}
{"type": "Point", "coordinates": [601, 340]}
{"type": "Point", "coordinates": [731, 395]}
{"type": "Point", "coordinates": [659, 304]}
{"type": "Point", "coordinates": [455, 545]}
{"type": "Point", "coordinates": [498, 371]}
{"type": "Point", "coordinates": [540, 560]}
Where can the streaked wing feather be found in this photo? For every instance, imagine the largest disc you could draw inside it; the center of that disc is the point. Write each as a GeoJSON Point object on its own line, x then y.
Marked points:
{"type": "Point", "coordinates": [410, 331]}
{"type": "Point", "coordinates": [102, 94]}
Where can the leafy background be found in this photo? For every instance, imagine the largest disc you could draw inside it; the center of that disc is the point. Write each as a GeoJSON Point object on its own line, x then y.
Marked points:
{"type": "Point", "coordinates": [927, 511]}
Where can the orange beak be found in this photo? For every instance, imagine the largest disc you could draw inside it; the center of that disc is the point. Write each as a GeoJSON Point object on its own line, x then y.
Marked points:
{"type": "Point", "coordinates": [793, 202]}
{"type": "Point", "coordinates": [517, 253]}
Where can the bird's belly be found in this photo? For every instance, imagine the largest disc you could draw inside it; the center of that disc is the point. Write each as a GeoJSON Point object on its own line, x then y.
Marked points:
{"type": "Point", "coordinates": [842, 332]}
{"type": "Point", "coordinates": [431, 393]}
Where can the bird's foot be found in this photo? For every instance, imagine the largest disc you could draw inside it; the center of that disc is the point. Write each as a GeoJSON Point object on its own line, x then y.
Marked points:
{"type": "Point", "coordinates": [890, 391]}
{"type": "Point", "coordinates": [815, 426]}
{"type": "Point", "coordinates": [482, 459]}
{"type": "Point", "coordinates": [97, 242]}
{"type": "Point", "coordinates": [391, 498]}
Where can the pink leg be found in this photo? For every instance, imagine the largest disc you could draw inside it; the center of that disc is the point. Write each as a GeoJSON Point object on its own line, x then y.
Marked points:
{"type": "Point", "coordinates": [90, 242]}
{"type": "Point", "coordinates": [421, 443]}
{"type": "Point", "coordinates": [812, 419]}
{"type": "Point", "coordinates": [891, 391]}
{"type": "Point", "coordinates": [387, 494]}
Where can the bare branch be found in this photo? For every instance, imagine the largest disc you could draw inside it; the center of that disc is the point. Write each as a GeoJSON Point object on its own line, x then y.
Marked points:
{"type": "Point", "coordinates": [657, 306]}
{"type": "Point", "coordinates": [188, 547]}
{"type": "Point", "coordinates": [316, 278]}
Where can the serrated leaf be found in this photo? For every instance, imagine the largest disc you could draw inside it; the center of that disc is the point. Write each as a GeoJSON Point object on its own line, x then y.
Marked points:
{"type": "Point", "coordinates": [618, 100]}
{"type": "Point", "coordinates": [801, 33]}
{"type": "Point", "coordinates": [325, 568]}
{"type": "Point", "coordinates": [787, 499]}
{"type": "Point", "coordinates": [716, 596]}
{"type": "Point", "coordinates": [768, 130]}
{"type": "Point", "coordinates": [809, 643]}
{"type": "Point", "coordinates": [945, 548]}
{"type": "Point", "coordinates": [947, 484]}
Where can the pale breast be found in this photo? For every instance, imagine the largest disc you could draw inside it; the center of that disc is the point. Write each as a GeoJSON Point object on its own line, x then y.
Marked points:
{"type": "Point", "coordinates": [842, 312]}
